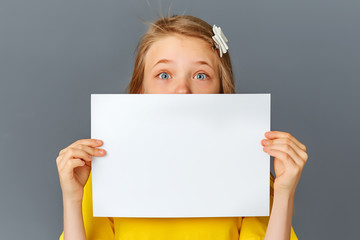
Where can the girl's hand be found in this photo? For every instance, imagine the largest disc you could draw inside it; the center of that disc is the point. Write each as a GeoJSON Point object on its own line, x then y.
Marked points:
{"type": "Point", "coordinates": [74, 165]}
{"type": "Point", "coordinates": [289, 160]}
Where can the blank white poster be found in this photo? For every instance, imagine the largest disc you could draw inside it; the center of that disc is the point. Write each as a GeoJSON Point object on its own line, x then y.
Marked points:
{"type": "Point", "coordinates": [181, 155]}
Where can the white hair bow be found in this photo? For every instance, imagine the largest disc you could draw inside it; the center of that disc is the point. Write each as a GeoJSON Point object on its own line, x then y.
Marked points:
{"type": "Point", "coordinates": [220, 40]}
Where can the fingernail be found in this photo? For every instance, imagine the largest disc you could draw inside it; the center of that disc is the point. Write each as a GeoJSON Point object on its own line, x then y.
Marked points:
{"type": "Point", "coordinates": [101, 151]}
{"type": "Point", "coordinates": [98, 141]}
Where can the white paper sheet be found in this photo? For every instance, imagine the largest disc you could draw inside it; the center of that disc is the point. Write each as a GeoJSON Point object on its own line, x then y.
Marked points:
{"type": "Point", "coordinates": [180, 155]}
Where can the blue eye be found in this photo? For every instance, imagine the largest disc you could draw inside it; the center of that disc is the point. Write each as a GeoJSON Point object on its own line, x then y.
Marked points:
{"type": "Point", "coordinates": [200, 76]}
{"type": "Point", "coordinates": [164, 75]}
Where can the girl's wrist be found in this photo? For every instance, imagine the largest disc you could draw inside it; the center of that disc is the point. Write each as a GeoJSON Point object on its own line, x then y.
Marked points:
{"type": "Point", "coordinates": [283, 192]}
{"type": "Point", "coordinates": [284, 198]}
{"type": "Point", "coordinates": [72, 200]}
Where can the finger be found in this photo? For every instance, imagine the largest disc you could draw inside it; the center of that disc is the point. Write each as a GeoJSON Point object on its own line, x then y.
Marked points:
{"type": "Point", "coordinates": [71, 164]}
{"type": "Point", "coordinates": [72, 153]}
{"type": "Point", "coordinates": [97, 152]}
{"type": "Point", "coordinates": [283, 157]}
{"type": "Point", "coordinates": [82, 152]}
{"type": "Point", "coordinates": [290, 151]}
{"type": "Point", "coordinates": [279, 134]}
{"type": "Point", "coordinates": [87, 142]}
{"type": "Point", "coordinates": [288, 141]}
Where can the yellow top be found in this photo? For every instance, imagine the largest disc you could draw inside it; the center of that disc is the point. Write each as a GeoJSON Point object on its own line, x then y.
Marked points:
{"type": "Point", "coordinates": [219, 228]}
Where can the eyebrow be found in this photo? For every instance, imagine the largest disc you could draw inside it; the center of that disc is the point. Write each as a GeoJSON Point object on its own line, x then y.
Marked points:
{"type": "Point", "coordinates": [162, 61]}
{"type": "Point", "coordinates": [200, 62]}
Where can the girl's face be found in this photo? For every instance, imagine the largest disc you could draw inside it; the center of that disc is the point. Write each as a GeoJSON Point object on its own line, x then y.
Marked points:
{"type": "Point", "coordinates": [179, 64]}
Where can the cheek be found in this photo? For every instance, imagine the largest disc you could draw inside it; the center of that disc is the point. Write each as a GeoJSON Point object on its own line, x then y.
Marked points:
{"type": "Point", "coordinates": [144, 85]}
{"type": "Point", "coordinates": [218, 86]}
{"type": "Point", "coordinates": [147, 83]}
{"type": "Point", "coordinates": [150, 85]}
{"type": "Point", "coordinates": [207, 87]}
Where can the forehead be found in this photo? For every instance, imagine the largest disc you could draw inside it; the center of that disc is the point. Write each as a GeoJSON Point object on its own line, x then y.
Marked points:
{"type": "Point", "coordinates": [180, 48]}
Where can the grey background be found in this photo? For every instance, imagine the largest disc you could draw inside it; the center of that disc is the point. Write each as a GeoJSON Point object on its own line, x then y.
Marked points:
{"type": "Point", "coordinates": [54, 54]}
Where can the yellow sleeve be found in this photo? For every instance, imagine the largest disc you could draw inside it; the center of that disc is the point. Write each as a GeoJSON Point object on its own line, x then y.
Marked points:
{"type": "Point", "coordinates": [254, 228]}
{"type": "Point", "coordinates": [96, 228]}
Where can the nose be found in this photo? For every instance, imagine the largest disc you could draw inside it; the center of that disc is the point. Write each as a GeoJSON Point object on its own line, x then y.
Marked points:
{"type": "Point", "coordinates": [182, 86]}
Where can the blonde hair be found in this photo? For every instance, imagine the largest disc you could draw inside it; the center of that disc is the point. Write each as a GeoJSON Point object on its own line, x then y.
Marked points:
{"type": "Point", "coordinates": [184, 25]}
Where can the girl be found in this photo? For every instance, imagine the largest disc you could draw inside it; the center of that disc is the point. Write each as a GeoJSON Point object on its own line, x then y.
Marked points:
{"type": "Point", "coordinates": [180, 54]}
